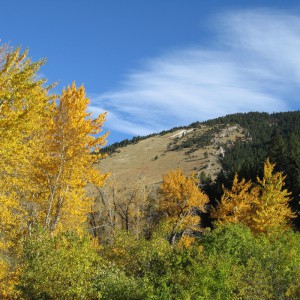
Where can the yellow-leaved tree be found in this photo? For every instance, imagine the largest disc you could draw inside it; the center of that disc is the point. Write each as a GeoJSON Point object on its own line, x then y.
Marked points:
{"type": "Point", "coordinates": [48, 148]}
{"type": "Point", "coordinates": [68, 151]}
{"type": "Point", "coordinates": [23, 103]}
{"type": "Point", "coordinates": [262, 206]}
{"type": "Point", "coordinates": [180, 202]}
{"type": "Point", "coordinates": [237, 203]}
{"type": "Point", "coordinates": [271, 208]}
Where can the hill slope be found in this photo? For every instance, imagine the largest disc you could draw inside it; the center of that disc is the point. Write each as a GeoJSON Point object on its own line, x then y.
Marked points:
{"type": "Point", "coordinates": [193, 149]}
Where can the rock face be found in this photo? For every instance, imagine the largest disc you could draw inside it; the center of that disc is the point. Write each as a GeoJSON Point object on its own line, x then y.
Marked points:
{"type": "Point", "coordinates": [191, 149]}
{"type": "Point", "coordinates": [181, 133]}
{"type": "Point", "coordinates": [220, 152]}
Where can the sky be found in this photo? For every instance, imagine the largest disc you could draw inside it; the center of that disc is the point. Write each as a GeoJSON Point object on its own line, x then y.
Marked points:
{"type": "Point", "coordinates": [155, 64]}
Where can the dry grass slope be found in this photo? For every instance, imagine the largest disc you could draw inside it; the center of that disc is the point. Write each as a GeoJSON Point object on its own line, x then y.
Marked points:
{"type": "Point", "coordinates": [154, 156]}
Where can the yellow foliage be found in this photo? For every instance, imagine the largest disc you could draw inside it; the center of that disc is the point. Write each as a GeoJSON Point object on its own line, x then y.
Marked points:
{"type": "Point", "coordinates": [179, 198]}
{"type": "Point", "coordinates": [236, 204]}
{"type": "Point", "coordinates": [271, 208]}
{"type": "Point", "coordinates": [8, 281]}
{"type": "Point", "coordinates": [68, 151]}
{"type": "Point", "coordinates": [262, 207]}
{"type": "Point", "coordinates": [185, 242]}
{"type": "Point", "coordinates": [47, 154]}
{"type": "Point", "coordinates": [24, 102]}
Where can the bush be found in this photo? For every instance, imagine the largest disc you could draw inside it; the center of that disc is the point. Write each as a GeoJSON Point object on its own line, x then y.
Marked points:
{"type": "Point", "coordinates": [59, 267]}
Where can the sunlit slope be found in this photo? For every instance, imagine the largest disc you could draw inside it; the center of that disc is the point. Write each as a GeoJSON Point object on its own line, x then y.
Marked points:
{"type": "Point", "coordinates": [191, 149]}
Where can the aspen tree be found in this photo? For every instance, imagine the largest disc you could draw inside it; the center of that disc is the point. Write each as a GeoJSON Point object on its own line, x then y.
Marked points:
{"type": "Point", "coordinates": [68, 150]}
{"type": "Point", "coordinates": [180, 197]}
{"type": "Point", "coordinates": [23, 103]}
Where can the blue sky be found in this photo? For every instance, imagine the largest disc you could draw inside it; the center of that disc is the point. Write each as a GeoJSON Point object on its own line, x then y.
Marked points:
{"type": "Point", "coordinates": [156, 64]}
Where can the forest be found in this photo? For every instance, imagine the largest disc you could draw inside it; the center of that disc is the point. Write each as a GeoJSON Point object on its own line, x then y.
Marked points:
{"type": "Point", "coordinates": [233, 238]}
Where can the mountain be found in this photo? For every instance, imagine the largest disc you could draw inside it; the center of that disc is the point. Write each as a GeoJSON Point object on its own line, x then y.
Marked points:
{"type": "Point", "coordinates": [196, 148]}
{"type": "Point", "coordinates": [215, 149]}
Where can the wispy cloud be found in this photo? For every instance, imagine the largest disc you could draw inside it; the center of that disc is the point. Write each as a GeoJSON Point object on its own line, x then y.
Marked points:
{"type": "Point", "coordinates": [252, 65]}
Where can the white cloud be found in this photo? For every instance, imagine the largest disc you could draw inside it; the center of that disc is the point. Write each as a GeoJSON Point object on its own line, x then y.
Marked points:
{"type": "Point", "coordinates": [255, 67]}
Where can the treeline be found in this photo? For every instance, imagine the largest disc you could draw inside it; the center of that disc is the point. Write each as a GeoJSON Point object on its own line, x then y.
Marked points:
{"type": "Point", "coordinates": [113, 148]}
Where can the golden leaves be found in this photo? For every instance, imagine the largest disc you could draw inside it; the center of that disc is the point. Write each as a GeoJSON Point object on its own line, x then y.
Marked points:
{"type": "Point", "coordinates": [271, 208]}
{"type": "Point", "coordinates": [46, 155]}
{"type": "Point", "coordinates": [236, 203]}
{"type": "Point", "coordinates": [180, 197]}
{"type": "Point", "coordinates": [260, 206]}
{"type": "Point", "coordinates": [67, 160]}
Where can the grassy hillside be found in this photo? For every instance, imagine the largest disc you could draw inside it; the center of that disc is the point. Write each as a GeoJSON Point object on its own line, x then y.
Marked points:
{"type": "Point", "coordinates": [193, 149]}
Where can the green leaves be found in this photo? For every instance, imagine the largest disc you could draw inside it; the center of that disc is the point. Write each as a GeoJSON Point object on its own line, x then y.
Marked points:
{"type": "Point", "coordinates": [260, 266]}
{"type": "Point", "coordinates": [60, 267]}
